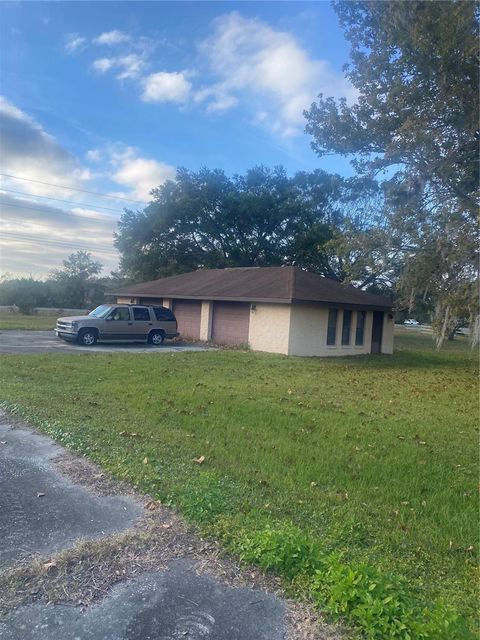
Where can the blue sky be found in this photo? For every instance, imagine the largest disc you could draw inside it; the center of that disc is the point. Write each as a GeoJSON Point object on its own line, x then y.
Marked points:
{"type": "Point", "coordinates": [110, 97]}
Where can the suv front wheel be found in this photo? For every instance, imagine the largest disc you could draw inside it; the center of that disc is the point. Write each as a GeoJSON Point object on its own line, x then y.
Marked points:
{"type": "Point", "coordinates": [156, 338]}
{"type": "Point", "coordinates": [87, 337]}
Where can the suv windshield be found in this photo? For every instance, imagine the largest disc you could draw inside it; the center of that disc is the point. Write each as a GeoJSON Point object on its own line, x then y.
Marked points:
{"type": "Point", "coordinates": [101, 311]}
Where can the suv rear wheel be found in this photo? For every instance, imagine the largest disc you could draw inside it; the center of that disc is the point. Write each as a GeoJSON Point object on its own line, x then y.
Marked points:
{"type": "Point", "coordinates": [87, 337]}
{"type": "Point", "coordinates": [156, 338]}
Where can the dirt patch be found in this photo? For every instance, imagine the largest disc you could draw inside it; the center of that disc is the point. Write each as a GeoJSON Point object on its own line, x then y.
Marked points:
{"type": "Point", "coordinates": [91, 477]}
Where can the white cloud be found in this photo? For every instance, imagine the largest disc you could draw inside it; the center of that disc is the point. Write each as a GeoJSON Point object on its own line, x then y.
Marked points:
{"type": "Point", "coordinates": [94, 155]}
{"type": "Point", "coordinates": [112, 37]}
{"type": "Point", "coordinates": [129, 66]}
{"type": "Point", "coordinates": [36, 235]}
{"type": "Point", "coordinates": [166, 87]}
{"type": "Point", "coordinates": [268, 70]}
{"type": "Point", "coordinates": [141, 175]}
{"type": "Point", "coordinates": [74, 43]}
{"type": "Point", "coordinates": [29, 152]}
{"type": "Point", "coordinates": [102, 65]}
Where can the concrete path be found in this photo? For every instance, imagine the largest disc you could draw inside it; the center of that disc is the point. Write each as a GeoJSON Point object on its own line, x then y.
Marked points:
{"type": "Point", "coordinates": [162, 592]}
{"type": "Point", "coordinates": [16, 341]}
{"type": "Point", "coordinates": [172, 605]}
{"type": "Point", "coordinates": [40, 511]}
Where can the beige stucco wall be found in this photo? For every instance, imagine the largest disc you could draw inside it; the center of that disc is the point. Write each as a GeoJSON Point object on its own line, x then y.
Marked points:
{"type": "Point", "coordinates": [299, 330]}
{"type": "Point", "coordinates": [123, 300]}
{"type": "Point", "coordinates": [308, 333]}
{"type": "Point", "coordinates": [206, 316]}
{"type": "Point", "coordinates": [269, 327]}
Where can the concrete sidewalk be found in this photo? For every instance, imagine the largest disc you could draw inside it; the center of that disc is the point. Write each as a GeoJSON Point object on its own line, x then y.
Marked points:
{"type": "Point", "coordinates": [125, 572]}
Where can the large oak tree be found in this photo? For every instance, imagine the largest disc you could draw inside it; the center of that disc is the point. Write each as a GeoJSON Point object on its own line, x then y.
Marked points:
{"type": "Point", "coordinates": [415, 122]}
{"type": "Point", "coordinates": [206, 219]}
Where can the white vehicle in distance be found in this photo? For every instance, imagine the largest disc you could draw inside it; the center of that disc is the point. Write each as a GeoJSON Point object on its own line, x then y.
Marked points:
{"type": "Point", "coordinates": [411, 322]}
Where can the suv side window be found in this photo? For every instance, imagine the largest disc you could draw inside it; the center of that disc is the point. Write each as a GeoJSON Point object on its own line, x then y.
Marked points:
{"type": "Point", "coordinates": [120, 313]}
{"type": "Point", "coordinates": [162, 313]}
{"type": "Point", "coordinates": [141, 313]}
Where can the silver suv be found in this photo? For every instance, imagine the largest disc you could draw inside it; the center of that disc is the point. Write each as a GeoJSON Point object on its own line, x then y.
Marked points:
{"type": "Point", "coordinates": [119, 322]}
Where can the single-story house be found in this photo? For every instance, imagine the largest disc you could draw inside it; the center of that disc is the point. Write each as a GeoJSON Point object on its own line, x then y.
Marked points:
{"type": "Point", "coordinates": [277, 309]}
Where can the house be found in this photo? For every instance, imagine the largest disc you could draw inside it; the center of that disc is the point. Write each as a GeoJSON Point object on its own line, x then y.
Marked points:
{"type": "Point", "coordinates": [277, 309]}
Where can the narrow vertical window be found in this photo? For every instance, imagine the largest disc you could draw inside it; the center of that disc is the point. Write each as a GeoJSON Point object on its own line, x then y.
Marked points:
{"type": "Point", "coordinates": [360, 329]}
{"type": "Point", "coordinates": [347, 325]}
{"type": "Point", "coordinates": [332, 326]}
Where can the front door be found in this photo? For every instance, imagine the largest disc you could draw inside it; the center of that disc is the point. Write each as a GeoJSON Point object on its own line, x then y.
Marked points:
{"type": "Point", "coordinates": [117, 325]}
{"type": "Point", "coordinates": [377, 331]}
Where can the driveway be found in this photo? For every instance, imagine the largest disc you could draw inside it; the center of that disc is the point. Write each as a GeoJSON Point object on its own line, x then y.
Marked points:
{"type": "Point", "coordinates": [16, 341]}
{"type": "Point", "coordinates": [84, 557]}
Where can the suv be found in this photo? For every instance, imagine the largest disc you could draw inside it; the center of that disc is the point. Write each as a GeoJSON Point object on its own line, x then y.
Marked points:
{"type": "Point", "coordinates": [119, 322]}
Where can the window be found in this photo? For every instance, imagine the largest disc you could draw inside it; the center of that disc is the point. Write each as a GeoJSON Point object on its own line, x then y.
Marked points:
{"type": "Point", "coordinates": [120, 314]}
{"type": "Point", "coordinates": [332, 326]}
{"type": "Point", "coordinates": [162, 313]}
{"type": "Point", "coordinates": [141, 313]}
{"type": "Point", "coordinates": [347, 325]}
{"type": "Point", "coordinates": [101, 311]}
{"type": "Point", "coordinates": [360, 329]}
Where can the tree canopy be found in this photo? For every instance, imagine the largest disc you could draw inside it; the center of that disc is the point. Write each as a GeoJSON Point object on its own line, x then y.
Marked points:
{"type": "Point", "coordinates": [206, 219]}
{"type": "Point", "coordinates": [415, 67]}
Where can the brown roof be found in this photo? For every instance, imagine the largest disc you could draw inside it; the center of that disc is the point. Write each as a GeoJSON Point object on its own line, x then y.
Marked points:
{"type": "Point", "coordinates": [255, 284]}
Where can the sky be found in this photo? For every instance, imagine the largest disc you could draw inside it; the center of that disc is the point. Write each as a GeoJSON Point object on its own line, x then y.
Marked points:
{"type": "Point", "coordinates": [101, 101]}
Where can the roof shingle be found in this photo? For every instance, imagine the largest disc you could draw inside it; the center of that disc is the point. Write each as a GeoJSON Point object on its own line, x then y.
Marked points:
{"type": "Point", "coordinates": [256, 284]}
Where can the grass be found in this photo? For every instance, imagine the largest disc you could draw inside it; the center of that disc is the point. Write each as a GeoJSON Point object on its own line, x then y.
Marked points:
{"type": "Point", "coordinates": [353, 472]}
{"type": "Point", "coordinates": [35, 322]}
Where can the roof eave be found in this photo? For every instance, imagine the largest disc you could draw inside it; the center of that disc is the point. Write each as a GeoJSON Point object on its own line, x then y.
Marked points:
{"type": "Point", "coordinates": [354, 305]}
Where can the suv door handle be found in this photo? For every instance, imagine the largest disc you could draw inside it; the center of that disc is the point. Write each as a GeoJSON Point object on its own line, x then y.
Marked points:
{"type": "Point", "coordinates": [130, 323]}
{"type": "Point", "coordinates": [150, 323]}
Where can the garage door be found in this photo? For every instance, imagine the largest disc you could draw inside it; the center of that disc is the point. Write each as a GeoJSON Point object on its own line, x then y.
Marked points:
{"type": "Point", "coordinates": [230, 322]}
{"type": "Point", "coordinates": [188, 314]}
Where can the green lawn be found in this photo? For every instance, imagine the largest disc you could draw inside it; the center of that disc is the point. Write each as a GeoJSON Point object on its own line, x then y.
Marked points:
{"type": "Point", "coordinates": [33, 322]}
{"type": "Point", "coordinates": [373, 458]}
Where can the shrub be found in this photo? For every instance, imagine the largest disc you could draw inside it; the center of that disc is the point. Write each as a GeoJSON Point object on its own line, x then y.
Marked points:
{"type": "Point", "coordinates": [380, 605]}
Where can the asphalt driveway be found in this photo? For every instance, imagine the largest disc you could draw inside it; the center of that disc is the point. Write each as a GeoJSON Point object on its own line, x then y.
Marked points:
{"type": "Point", "coordinates": [16, 341]}
{"type": "Point", "coordinates": [84, 557]}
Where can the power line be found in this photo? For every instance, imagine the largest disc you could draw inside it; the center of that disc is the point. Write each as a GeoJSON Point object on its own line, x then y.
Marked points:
{"type": "Point", "coordinates": [60, 186]}
{"type": "Point", "coordinates": [59, 213]}
{"type": "Point", "coordinates": [68, 245]}
{"type": "Point", "coordinates": [77, 204]}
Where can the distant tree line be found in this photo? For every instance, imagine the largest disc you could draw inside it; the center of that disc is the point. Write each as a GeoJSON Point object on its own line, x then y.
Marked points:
{"type": "Point", "coordinates": [78, 285]}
